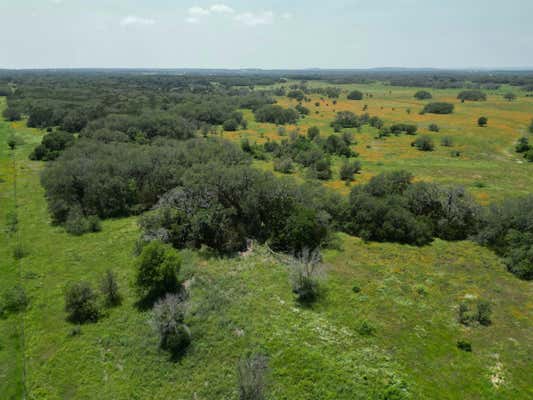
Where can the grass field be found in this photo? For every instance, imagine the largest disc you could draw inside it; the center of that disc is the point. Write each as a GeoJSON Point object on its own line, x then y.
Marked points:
{"type": "Point", "coordinates": [409, 295]}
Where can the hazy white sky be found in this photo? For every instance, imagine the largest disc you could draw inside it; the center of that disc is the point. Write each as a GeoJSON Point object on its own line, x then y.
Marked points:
{"type": "Point", "coordinates": [266, 34]}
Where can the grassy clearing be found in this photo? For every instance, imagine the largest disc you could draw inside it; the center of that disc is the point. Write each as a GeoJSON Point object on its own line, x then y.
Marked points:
{"type": "Point", "coordinates": [408, 295]}
{"type": "Point", "coordinates": [487, 166]}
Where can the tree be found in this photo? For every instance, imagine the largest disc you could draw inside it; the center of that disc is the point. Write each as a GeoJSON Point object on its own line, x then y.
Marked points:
{"type": "Point", "coordinates": [424, 143]}
{"type": "Point", "coordinates": [423, 95]}
{"type": "Point", "coordinates": [276, 114]}
{"type": "Point", "coordinates": [531, 127]}
{"type": "Point", "coordinates": [482, 121]}
{"type": "Point", "coordinates": [230, 125]}
{"type": "Point", "coordinates": [355, 95]}
{"type": "Point", "coordinates": [157, 271]}
{"type": "Point", "coordinates": [80, 303]}
{"type": "Point", "coordinates": [509, 96]}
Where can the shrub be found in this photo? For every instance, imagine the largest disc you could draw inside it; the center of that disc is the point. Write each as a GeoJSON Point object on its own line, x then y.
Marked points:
{"type": "Point", "coordinates": [531, 127]}
{"type": "Point", "coordinates": [76, 223]}
{"type": "Point", "coordinates": [464, 345]}
{"type": "Point", "coordinates": [438, 108]}
{"type": "Point", "coordinates": [523, 145]}
{"type": "Point", "coordinates": [423, 95]}
{"type": "Point", "coordinates": [157, 271]}
{"type": "Point", "coordinates": [509, 96]}
{"type": "Point", "coordinates": [469, 316]}
{"type": "Point", "coordinates": [230, 125]}
{"type": "Point", "coordinates": [306, 272]}
{"type": "Point", "coordinates": [349, 169]}
{"type": "Point", "coordinates": [365, 328]}
{"type": "Point", "coordinates": [109, 289]}
{"type": "Point", "coordinates": [408, 129]}
{"type": "Point", "coordinates": [52, 145]}
{"type": "Point", "coordinates": [313, 132]}
{"type": "Point", "coordinates": [12, 142]}
{"type": "Point", "coordinates": [355, 95]}
{"type": "Point", "coordinates": [446, 141]}
{"type": "Point", "coordinates": [296, 94]}
{"type": "Point", "coordinates": [252, 377]}
{"type": "Point", "coordinates": [168, 317]}
{"type": "Point", "coordinates": [80, 303]}
{"type": "Point", "coordinates": [301, 109]}
{"type": "Point", "coordinates": [484, 312]}
{"type": "Point", "coordinates": [322, 169]}
{"type": "Point", "coordinates": [13, 300]}
{"type": "Point", "coordinates": [472, 95]}
{"type": "Point", "coordinates": [482, 121]}
{"type": "Point", "coordinates": [283, 165]}
{"type": "Point", "coordinates": [424, 143]}
{"type": "Point", "coordinates": [433, 128]}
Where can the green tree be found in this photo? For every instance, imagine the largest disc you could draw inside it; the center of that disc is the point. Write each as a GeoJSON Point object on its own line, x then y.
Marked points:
{"type": "Point", "coordinates": [157, 271]}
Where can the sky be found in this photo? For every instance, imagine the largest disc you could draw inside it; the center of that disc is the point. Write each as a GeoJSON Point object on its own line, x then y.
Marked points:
{"type": "Point", "coordinates": [269, 34]}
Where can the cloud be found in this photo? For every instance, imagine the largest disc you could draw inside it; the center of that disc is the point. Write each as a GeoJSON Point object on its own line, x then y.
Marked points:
{"type": "Point", "coordinates": [221, 8]}
{"type": "Point", "coordinates": [254, 19]}
{"type": "Point", "coordinates": [196, 14]}
{"type": "Point", "coordinates": [133, 20]}
{"type": "Point", "coordinates": [286, 16]}
{"type": "Point", "coordinates": [199, 11]}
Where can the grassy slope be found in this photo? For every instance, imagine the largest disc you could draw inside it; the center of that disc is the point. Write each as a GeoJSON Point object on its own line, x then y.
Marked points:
{"type": "Point", "coordinates": [409, 294]}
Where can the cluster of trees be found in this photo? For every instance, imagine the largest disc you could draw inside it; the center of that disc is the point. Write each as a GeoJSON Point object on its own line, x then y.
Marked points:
{"type": "Point", "coordinates": [472, 95]}
{"type": "Point", "coordinates": [392, 208]}
{"type": "Point", "coordinates": [276, 114]}
{"type": "Point", "coordinates": [117, 179]}
{"type": "Point", "coordinates": [438, 108]}
{"type": "Point", "coordinates": [52, 145]}
{"type": "Point", "coordinates": [222, 206]}
{"type": "Point", "coordinates": [507, 228]}
{"type": "Point", "coordinates": [312, 152]}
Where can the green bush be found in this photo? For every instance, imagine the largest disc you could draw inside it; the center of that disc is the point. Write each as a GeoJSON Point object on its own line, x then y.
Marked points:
{"type": "Point", "coordinates": [446, 141]}
{"type": "Point", "coordinates": [313, 132]}
{"type": "Point", "coordinates": [81, 303]}
{"type": "Point", "coordinates": [433, 128]}
{"type": "Point", "coordinates": [283, 165]}
{"type": "Point", "coordinates": [355, 95]}
{"type": "Point", "coordinates": [365, 328]}
{"type": "Point", "coordinates": [424, 143]}
{"type": "Point", "coordinates": [109, 289]}
{"type": "Point", "coordinates": [13, 300]}
{"type": "Point", "coordinates": [464, 346]}
{"type": "Point", "coordinates": [230, 125]}
{"type": "Point", "coordinates": [482, 121]}
{"type": "Point", "coordinates": [349, 169]}
{"type": "Point", "coordinates": [156, 272]}
{"type": "Point", "coordinates": [19, 251]}
{"type": "Point", "coordinates": [11, 114]}
{"type": "Point", "coordinates": [423, 95]}
{"type": "Point", "coordinates": [484, 312]}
